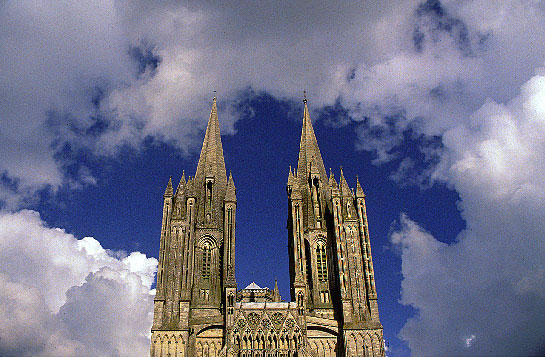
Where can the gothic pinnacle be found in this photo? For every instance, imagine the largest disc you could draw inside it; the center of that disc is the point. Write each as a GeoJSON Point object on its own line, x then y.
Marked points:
{"type": "Point", "coordinates": [332, 181]}
{"type": "Point", "coordinates": [291, 178]}
{"type": "Point", "coordinates": [276, 293]}
{"type": "Point", "coordinates": [181, 185]}
{"type": "Point", "coordinates": [359, 190]}
{"type": "Point", "coordinates": [230, 194]}
{"type": "Point", "coordinates": [168, 191]}
{"type": "Point", "coordinates": [345, 189]}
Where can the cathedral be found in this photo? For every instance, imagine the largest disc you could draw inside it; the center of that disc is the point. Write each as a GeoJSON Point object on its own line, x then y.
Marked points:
{"type": "Point", "coordinates": [198, 310]}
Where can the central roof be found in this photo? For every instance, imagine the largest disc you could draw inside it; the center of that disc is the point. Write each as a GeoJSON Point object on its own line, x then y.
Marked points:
{"type": "Point", "coordinates": [253, 286]}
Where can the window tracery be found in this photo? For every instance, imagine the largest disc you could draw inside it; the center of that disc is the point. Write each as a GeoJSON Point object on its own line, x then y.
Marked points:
{"type": "Point", "coordinates": [206, 260]}
{"type": "Point", "coordinates": [321, 261]}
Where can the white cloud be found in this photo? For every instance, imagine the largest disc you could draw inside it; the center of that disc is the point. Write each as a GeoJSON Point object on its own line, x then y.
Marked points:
{"type": "Point", "coordinates": [67, 64]}
{"type": "Point", "coordinates": [470, 340]}
{"type": "Point", "coordinates": [64, 296]}
{"type": "Point", "coordinates": [54, 56]}
{"type": "Point", "coordinates": [485, 292]}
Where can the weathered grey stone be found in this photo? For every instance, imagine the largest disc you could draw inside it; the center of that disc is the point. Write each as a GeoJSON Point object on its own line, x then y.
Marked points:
{"type": "Point", "coordinates": [333, 309]}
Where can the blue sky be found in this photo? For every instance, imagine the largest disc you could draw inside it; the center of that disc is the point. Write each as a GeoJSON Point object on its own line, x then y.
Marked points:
{"type": "Point", "coordinates": [438, 107]}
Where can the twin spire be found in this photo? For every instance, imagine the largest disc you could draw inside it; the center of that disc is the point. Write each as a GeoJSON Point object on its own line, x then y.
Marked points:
{"type": "Point", "coordinates": [211, 162]}
{"type": "Point", "coordinates": [310, 159]}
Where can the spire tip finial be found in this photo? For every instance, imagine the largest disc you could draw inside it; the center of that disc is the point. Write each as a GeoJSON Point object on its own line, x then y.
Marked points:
{"type": "Point", "coordinates": [305, 96]}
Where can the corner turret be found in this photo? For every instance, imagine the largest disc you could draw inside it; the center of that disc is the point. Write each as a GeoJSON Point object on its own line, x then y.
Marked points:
{"type": "Point", "coordinates": [231, 192]}
{"type": "Point", "coordinates": [168, 190]}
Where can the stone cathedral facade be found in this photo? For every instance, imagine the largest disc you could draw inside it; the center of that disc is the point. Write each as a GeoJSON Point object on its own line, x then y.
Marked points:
{"type": "Point", "coordinates": [333, 308]}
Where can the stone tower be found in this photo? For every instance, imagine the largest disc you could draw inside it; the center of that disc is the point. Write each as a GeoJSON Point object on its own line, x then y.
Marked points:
{"type": "Point", "coordinates": [196, 272]}
{"type": "Point", "coordinates": [333, 309]}
{"type": "Point", "coordinates": [331, 266]}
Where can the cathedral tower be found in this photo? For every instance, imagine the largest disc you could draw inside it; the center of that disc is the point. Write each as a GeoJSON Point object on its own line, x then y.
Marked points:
{"type": "Point", "coordinates": [331, 266]}
{"type": "Point", "coordinates": [196, 273]}
{"type": "Point", "coordinates": [198, 310]}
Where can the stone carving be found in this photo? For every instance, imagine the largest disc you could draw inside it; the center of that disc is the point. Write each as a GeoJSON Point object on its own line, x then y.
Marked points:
{"type": "Point", "coordinates": [277, 318]}
{"type": "Point", "coordinates": [253, 319]}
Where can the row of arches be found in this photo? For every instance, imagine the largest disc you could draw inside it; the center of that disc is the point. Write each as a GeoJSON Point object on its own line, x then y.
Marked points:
{"type": "Point", "coordinates": [168, 345]}
{"type": "Point", "coordinates": [208, 348]}
{"type": "Point", "coordinates": [323, 347]}
{"type": "Point", "coordinates": [272, 342]}
{"type": "Point", "coordinates": [368, 344]}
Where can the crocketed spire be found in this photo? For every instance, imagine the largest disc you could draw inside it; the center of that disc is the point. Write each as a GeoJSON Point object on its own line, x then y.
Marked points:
{"type": "Point", "coordinates": [309, 152]}
{"type": "Point", "coordinates": [211, 162]}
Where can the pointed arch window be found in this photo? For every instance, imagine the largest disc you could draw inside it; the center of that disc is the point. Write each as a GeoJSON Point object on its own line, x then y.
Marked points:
{"type": "Point", "coordinates": [209, 195]}
{"type": "Point", "coordinates": [321, 261]}
{"type": "Point", "coordinates": [206, 260]}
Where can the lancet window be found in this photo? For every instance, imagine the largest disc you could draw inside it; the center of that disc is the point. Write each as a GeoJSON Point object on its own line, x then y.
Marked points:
{"type": "Point", "coordinates": [209, 183]}
{"type": "Point", "coordinates": [206, 260]}
{"type": "Point", "coordinates": [321, 261]}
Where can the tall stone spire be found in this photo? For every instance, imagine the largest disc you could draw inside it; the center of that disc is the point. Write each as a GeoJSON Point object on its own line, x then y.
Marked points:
{"type": "Point", "coordinates": [211, 162]}
{"type": "Point", "coordinates": [309, 152]}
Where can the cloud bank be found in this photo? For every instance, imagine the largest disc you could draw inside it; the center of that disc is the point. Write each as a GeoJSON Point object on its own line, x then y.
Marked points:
{"type": "Point", "coordinates": [486, 291]}
{"type": "Point", "coordinates": [61, 296]}
{"type": "Point", "coordinates": [79, 77]}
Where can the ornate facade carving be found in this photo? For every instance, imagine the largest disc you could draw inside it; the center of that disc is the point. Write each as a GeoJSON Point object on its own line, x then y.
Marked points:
{"type": "Point", "coordinates": [198, 310]}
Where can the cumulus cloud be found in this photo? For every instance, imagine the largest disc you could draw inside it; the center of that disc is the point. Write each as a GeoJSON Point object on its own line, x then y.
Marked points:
{"type": "Point", "coordinates": [112, 74]}
{"type": "Point", "coordinates": [55, 55]}
{"type": "Point", "coordinates": [64, 296]}
{"type": "Point", "coordinates": [454, 56]}
{"type": "Point", "coordinates": [486, 290]}
{"type": "Point", "coordinates": [116, 73]}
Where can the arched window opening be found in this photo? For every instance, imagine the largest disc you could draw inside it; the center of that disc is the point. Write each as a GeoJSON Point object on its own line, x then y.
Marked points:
{"type": "Point", "coordinates": [206, 260]}
{"type": "Point", "coordinates": [321, 261]}
{"type": "Point", "coordinates": [309, 263]}
{"type": "Point", "coordinates": [209, 183]}
{"type": "Point", "coordinates": [316, 201]}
